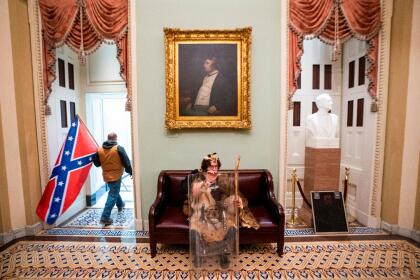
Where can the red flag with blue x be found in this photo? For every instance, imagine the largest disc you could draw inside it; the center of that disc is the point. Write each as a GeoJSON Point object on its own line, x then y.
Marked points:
{"type": "Point", "coordinates": [69, 173]}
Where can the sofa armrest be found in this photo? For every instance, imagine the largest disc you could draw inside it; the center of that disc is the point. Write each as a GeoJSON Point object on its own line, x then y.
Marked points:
{"type": "Point", "coordinates": [275, 208]}
{"type": "Point", "coordinates": [271, 202]}
{"type": "Point", "coordinates": [158, 205]}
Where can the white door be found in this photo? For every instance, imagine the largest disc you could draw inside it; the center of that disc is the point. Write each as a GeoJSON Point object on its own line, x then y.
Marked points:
{"type": "Point", "coordinates": [64, 101]}
{"type": "Point", "coordinates": [358, 126]}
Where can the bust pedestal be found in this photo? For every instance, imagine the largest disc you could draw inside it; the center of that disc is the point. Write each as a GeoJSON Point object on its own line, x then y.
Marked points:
{"type": "Point", "coordinates": [322, 173]}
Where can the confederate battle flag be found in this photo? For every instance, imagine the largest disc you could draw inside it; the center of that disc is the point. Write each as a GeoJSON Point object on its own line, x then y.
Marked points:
{"type": "Point", "coordinates": [69, 173]}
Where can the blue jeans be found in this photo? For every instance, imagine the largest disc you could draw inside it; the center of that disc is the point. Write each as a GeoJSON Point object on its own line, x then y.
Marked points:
{"type": "Point", "coordinates": [113, 198]}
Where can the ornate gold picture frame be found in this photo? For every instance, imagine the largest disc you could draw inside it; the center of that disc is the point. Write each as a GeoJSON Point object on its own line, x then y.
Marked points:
{"type": "Point", "coordinates": [208, 78]}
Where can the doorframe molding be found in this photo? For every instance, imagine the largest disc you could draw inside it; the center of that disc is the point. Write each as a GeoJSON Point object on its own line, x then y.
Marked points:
{"type": "Point", "coordinates": [41, 120]}
{"type": "Point", "coordinates": [382, 94]}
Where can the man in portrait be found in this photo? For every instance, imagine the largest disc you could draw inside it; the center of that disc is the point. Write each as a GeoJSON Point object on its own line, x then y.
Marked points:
{"type": "Point", "coordinates": [214, 97]}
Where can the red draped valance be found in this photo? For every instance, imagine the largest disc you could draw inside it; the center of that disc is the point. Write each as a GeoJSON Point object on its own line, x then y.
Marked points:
{"type": "Point", "coordinates": [83, 25]}
{"type": "Point", "coordinates": [329, 20]}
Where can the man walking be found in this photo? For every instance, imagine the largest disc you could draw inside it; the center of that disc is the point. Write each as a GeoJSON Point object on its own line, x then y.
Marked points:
{"type": "Point", "coordinates": [113, 160]}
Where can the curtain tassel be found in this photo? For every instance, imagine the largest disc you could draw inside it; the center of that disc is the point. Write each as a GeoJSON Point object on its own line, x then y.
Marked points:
{"type": "Point", "coordinates": [337, 44]}
{"type": "Point", "coordinates": [82, 54]}
{"type": "Point", "coordinates": [374, 106]}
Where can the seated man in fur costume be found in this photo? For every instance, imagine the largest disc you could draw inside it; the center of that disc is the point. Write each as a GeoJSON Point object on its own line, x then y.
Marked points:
{"type": "Point", "coordinates": [211, 207]}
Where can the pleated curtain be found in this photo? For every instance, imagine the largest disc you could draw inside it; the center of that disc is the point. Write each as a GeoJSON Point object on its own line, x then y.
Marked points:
{"type": "Point", "coordinates": [83, 25]}
{"type": "Point", "coordinates": [330, 20]}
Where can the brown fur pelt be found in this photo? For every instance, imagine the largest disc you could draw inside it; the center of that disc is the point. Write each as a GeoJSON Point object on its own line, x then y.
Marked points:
{"type": "Point", "coordinates": [246, 218]}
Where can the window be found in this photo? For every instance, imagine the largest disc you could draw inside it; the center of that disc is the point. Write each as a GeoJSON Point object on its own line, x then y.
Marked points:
{"type": "Point", "coordinates": [351, 74]}
{"type": "Point", "coordinates": [314, 108]}
{"type": "Point", "coordinates": [350, 105]}
{"type": "Point", "coordinates": [327, 76]}
{"type": "Point", "coordinates": [360, 107]}
{"type": "Point", "coordinates": [71, 76]}
{"type": "Point", "coordinates": [61, 73]}
{"type": "Point", "coordinates": [63, 109]}
{"type": "Point", "coordinates": [315, 76]}
{"type": "Point", "coordinates": [72, 111]}
{"type": "Point", "coordinates": [298, 81]}
{"type": "Point", "coordinates": [362, 70]}
{"type": "Point", "coordinates": [296, 113]}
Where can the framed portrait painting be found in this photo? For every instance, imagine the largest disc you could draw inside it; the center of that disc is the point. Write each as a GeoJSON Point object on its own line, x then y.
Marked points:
{"type": "Point", "coordinates": [207, 78]}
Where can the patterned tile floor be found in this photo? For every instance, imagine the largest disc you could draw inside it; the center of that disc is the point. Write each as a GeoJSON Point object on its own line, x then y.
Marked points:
{"type": "Point", "coordinates": [376, 259]}
{"type": "Point", "coordinates": [90, 218]}
{"type": "Point", "coordinates": [110, 232]}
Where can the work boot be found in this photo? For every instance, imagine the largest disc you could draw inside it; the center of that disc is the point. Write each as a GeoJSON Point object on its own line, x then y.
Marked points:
{"type": "Point", "coordinates": [106, 222]}
{"type": "Point", "coordinates": [120, 209]}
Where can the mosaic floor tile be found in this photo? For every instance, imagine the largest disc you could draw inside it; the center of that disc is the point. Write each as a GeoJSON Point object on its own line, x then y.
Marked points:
{"type": "Point", "coordinates": [95, 232]}
{"type": "Point", "coordinates": [90, 218]}
{"type": "Point", "coordinates": [352, 231]}
{"type": "Point", "coordinates": [376, 259]}
{"type": "Point", "coordinates": [110, 232]}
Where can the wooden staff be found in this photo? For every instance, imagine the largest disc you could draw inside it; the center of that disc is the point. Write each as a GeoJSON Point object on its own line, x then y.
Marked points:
{"type": "Point", "coordinates": [238, 159]}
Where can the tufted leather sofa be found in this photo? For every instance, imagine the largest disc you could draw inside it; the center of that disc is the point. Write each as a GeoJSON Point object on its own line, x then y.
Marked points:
{"type": "Point", "coordinates": [167, 223]}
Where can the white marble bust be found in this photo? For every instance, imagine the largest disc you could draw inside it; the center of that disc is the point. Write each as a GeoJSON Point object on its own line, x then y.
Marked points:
{"type": "Point", "coordinates": [322, 127]}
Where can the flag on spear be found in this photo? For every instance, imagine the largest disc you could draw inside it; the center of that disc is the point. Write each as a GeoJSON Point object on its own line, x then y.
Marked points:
{"type": "Point", "coordinates": [69, 173]}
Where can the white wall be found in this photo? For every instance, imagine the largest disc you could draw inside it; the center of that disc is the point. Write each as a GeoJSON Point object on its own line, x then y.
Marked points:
{"type": "Point", "coordinates": [106, 113]}
{"type": "Point", "coordinates": [161, 149]}
{"type": "Point", "coordinates": [102, 71]}
{"type": "Point", "coordinates": [104, 102]}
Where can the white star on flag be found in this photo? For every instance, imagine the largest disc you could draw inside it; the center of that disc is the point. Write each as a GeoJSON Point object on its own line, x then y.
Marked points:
{"type": "Point", "coordinates": [70, 138]}
{"type": "Point", "coordinates": [60, 183]}
{"type": "Point", "coordinates": [53, 215]}
{"type": "Point", "coordinates": [73, 124]}
{"type": "Point", "coordinates": [90, 158]}
{"type": "Point", "coordinates": [64, 167]}
{"type": "Point", "coordinates": [79, 162]}
{"type": "Point", "coordinates": [57, 199]}
{"type": "Point", "coordinates": [66, 153]}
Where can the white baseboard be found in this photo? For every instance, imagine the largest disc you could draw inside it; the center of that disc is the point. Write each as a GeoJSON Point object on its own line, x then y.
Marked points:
{"type": "Point", "coordinates": [398, 230]}
{"type": "Point", "coordinates": [34, 229]}
{"type": "Point", "coordinates": [362, 217]}
{"type": "Point", "coordinates": [390, 228]}
{"type": "Point", "coordinates": [6, 237]}
{"type": "Point", "coordinates": [29, 230]}
{"type": "Point", "coordinates": [374, 222]}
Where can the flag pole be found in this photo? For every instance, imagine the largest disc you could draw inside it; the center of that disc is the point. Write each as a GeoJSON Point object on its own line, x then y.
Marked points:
{"type": "Point", "coordinates": [81, 120]}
